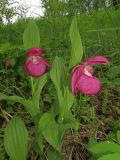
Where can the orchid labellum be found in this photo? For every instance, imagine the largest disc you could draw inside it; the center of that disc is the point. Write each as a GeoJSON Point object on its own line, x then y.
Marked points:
{"type": "Point", "coordinates": [35, 65]}
{"type": "Point", "coordinates": [83, 80]}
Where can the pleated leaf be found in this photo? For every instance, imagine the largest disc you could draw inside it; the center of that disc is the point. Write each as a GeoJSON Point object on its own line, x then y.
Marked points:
{"type": "Point", "coordinates": [104, 147]}
{"type": "Point", "coordinates": [16, 139]}
{"type": "Point", "coordinates": [67, 101]}
{"type": "Point", "coordinates": [39, 84]}
{"type": "Point", "coordinates": [54, 132]}
{"type": "Point", "coordinates": [114, 156]}
{"type": "Point", "coordinates": [50, 130]}
{"type": "Point", "coordinates": [31, 36]}
{"type": "Point", "coordinates": [58, 72]}
{"type": "Point", "coordinates": [58, 75]}
{"type": "Point", "coordinates": [76, 44]}
{"type": "Point", "coordinates": [118, 136]}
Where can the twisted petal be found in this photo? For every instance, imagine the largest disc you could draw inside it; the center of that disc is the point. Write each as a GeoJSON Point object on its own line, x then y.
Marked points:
{"type": "Point", "coordinates": [76, 73]}
{"type": "Point", "coordinates": [35, 52]}
{"type": "Point", "coordinates": [96, 60]}
{"type": "Point", "coordinates": [88, 85]}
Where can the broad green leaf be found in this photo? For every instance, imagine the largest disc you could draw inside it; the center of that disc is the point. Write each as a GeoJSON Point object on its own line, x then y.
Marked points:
{"type": "Point", "coordinates": [118, 136]}
{"type": "Point", "coordinates": [54, 132]}
{"type": "Point", "coordinates": [28, 104]}
{"type": "Point", "coordinates": [50, 130]}
{"type": "Point", "coordinates": [67, 101]}
{"type": "Point", "coordinates": [31, 36]}
{"type": "Point", "coordinates": [104, 147]}
{"type": "Point", "coordinates": [114, 156]}
{"type": "Point", "coordinates": [39, 84]}
{"type": "Point", "coordinates": [16, 139]}
{"type": "Point", "coordinates": [76, 43]}
{"type": "Point", "coordinates": [58, 75]}
{"type": "Point", "coordinates": [54, 155]}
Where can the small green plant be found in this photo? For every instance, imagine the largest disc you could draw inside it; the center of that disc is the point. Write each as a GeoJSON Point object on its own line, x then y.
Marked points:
{"type": "Point", "coordinates": [106, 150]}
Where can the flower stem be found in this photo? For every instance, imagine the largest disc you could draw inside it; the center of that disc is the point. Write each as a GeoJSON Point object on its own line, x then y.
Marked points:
{"type": "Point", "coordinates": [32, 86]}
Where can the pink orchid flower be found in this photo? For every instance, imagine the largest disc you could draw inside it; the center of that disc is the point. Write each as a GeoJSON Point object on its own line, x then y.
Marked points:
{"type": "Point", "coordinates": [83, 80]}
{"type": "Point", "coordinates": [35, 65]}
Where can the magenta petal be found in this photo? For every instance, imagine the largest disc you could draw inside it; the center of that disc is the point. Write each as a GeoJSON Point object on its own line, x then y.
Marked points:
{"type": "Point", "coordinates": [76, 73]}
{"type": "Point", "coordinates": [88, 85]}
{"type": "Point", "coordinates": [35, 70]}
{"type": "Point", "coordinates": [96, 60]}
{"type": "Point", "coordinates": [45, 62]}
{"type": "Point", "coordinates": [35, 52]}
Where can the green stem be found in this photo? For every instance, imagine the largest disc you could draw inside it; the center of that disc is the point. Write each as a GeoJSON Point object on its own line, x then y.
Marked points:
{"type": "Point", "coordinates": [32, 86]}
